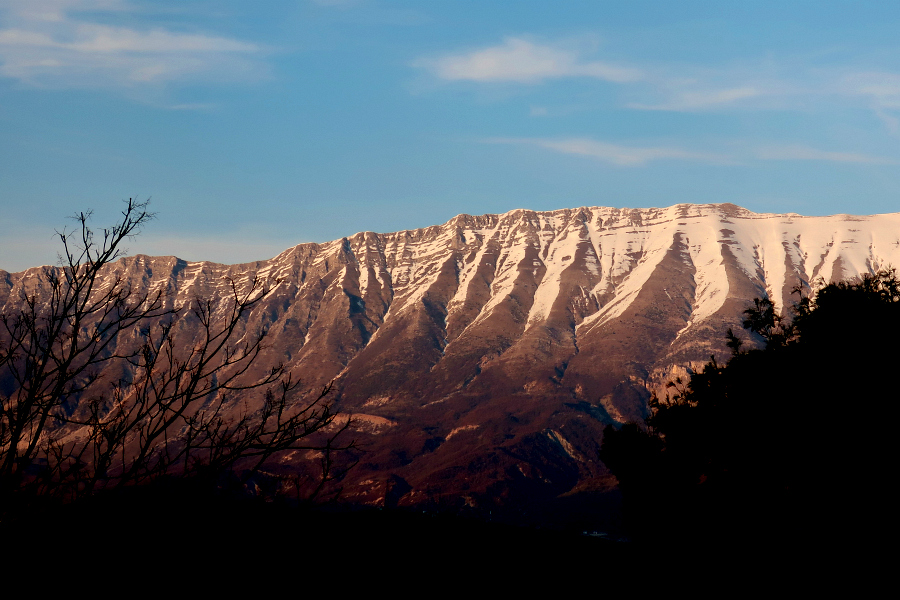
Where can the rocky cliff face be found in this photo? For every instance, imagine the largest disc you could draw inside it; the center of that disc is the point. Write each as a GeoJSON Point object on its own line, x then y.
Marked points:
{"type": "Point", "coordinates": [481, 358]}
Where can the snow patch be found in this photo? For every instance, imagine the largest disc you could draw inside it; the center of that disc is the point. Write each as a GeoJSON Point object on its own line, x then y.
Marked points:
{"type": "Point", "coordinates": [459, 430]}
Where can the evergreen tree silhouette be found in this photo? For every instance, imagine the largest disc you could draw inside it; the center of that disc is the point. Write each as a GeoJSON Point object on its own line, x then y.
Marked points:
{"type": "Point", "coordinates": [794, 440]}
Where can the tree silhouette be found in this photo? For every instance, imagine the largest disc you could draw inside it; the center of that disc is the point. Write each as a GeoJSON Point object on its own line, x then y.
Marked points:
{"type": "Point", "coordinates": [794, 439]}
{"type": "Point", "coordinates": [103, 385]}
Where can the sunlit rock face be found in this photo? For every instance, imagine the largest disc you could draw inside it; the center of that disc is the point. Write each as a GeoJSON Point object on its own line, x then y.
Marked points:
{"type": "Point", "coordinates": [482, 358]}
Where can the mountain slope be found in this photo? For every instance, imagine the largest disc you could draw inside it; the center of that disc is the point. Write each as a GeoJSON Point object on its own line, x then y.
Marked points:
{"type": "Point", "coordinates": [482, 358]}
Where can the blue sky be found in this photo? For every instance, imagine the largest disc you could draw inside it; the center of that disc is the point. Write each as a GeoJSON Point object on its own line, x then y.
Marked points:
{"type": "Point", "coordinates": [254, 126]}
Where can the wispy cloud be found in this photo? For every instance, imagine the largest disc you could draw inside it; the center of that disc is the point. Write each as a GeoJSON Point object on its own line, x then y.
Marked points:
{"type": "Point", "coordinates": [57, 10]}
{"type": "Point", "coordinates": [636, 156]}
{"type": "Point", "coordinates": [883, 87]}
{"type": "Point", "coordinates": [882, 91]}
{"type": "Point", "coordinates": [519, 60]}
{"type": "Point", "coordinates": [787, 86]}
{"type": "Point", "coordinates": [799, 152]}
{"type": "Point", "coordinates": [767, 84]}
{"type": "Point", "coordinates": [50, 46]}
{"type": "Point", "coordinates": [191, 106]}
{"type": "Point", "coordinates": [624, 156]}
{"type": "Point", "coordinates": [688, 101]}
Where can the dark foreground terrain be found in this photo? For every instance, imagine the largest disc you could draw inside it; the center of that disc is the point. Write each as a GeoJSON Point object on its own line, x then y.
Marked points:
{"type": "Point", "coordinates": [191, 527]}
{"type": "Point", "coordinates": [173, 536]}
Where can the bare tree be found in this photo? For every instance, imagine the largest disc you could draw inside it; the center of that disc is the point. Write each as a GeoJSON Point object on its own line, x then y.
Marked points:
{"type": "Point", "coordinates": [181, 403]}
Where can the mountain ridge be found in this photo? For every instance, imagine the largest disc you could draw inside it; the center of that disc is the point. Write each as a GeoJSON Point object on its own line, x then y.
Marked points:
{"type": "Point", "coordinates": [483, 357]}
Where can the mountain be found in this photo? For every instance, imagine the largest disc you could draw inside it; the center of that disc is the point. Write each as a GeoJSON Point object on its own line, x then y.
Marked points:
{"type": "Point", "coordinates": [480, 359]}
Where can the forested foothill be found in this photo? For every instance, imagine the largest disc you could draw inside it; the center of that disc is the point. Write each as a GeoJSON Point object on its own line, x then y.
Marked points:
{"type": "Point", "coordinates": [792, 443]}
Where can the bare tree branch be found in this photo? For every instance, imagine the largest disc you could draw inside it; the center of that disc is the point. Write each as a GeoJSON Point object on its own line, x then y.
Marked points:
{"type": "Point", "coordinates": [182, 406]}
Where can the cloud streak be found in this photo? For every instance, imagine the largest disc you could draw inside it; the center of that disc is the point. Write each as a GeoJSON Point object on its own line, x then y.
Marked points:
{"type": "Point", "coordinates": [799, 152]}
{"type": "Point", "coordinates": [883, 92]}
{"type": "Point", "coordinates": [48, 47]}
{"type": "Point", "coordinates": [623, 156]}
{"type": "Point", "coordinates": [57, 10]}
{"type": "Point", "coordinates": [521, 61]}
{"type": "Point", "coordinates": [639, 156]}
{"type": "Point", "coordinates": [687, 101]}
{"type": "Point", "coordinates": [788, 84]}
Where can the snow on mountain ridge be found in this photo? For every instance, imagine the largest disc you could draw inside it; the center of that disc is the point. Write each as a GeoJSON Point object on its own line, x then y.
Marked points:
{"type": "Point", "coordinates": [617, 249]}
{"type": "Point", "coordinates": [528, 330]}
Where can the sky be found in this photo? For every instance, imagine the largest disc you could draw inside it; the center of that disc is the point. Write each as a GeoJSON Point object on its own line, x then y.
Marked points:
{"type": "Point", "coordinates": [255, 126]}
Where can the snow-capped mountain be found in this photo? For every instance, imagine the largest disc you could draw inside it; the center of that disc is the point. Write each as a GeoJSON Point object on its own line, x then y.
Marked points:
{"type": "Point", "coordinates": [481, 358]}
